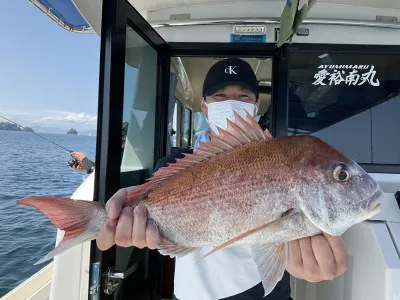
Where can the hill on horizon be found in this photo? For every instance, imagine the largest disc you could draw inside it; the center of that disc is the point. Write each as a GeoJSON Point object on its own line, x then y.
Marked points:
{"type": "Point", "coordinates": [43, 129]}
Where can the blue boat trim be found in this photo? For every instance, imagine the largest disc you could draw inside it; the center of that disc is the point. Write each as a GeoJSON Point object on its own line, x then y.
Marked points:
{"type": "Point", "coordinates": [65, 14]}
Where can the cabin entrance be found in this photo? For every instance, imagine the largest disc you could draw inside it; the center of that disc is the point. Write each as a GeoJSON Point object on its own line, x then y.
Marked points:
{"type": "Point", "coordinates": [150, 94]}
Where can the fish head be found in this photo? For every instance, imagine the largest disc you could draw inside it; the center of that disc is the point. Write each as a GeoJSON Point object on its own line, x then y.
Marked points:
{"type": "Point", "coordinates": [336, 192]}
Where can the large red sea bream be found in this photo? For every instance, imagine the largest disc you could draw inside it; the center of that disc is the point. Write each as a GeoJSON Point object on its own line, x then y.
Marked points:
{"type": "Point", "coordinates": [245, 187]}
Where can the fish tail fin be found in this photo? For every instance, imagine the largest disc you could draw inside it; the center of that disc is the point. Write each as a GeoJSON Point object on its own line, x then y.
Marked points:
{"type": "Point", "coordinates": [72, 216]}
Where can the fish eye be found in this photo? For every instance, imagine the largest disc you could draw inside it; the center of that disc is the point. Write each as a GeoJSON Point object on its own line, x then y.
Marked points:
{"type": "Point", "coordinates": [341, 174]}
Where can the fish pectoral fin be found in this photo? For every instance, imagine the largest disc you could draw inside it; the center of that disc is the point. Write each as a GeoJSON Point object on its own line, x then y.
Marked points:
{"type": "Point", "coordinates": [278, 225]}
{"type": "Point", "coordinates": [271, 263]}
{"type": "Point", "coordinates": [166, 247]}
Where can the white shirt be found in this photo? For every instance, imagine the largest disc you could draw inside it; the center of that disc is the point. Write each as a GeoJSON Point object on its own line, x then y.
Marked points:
{"type": "Point", "coordinates": [225, 273]}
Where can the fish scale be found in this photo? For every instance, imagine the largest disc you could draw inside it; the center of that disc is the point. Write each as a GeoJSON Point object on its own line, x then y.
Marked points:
{"type": "Point", "coordinates": [244, 187]}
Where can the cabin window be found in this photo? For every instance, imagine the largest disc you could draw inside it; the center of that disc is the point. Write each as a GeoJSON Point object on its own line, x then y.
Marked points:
{"type": "Point", "coordinates": [139, 104]}
{"type": "Point", "coordinates": [187, 128]}
{"type": "Point", "coordinates": [350, 100]}
{"type": "Point", "coordinates": [186, 120]}
{"type": "Point", "coordinates": [199, 125]}
{"type": "Point", "coordinates": [174, 126]}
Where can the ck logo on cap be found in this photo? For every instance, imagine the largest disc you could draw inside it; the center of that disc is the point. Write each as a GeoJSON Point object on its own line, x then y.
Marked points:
{"type": "Point", "coordinates": [231, 70]}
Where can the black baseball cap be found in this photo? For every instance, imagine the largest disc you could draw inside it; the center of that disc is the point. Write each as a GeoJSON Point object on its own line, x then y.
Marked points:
{"type": "Point", "coordinates": [230, 71]}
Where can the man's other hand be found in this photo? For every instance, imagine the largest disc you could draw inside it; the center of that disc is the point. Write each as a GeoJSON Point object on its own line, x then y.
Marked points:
{"type": "Point", "coordinates": [317, 258]}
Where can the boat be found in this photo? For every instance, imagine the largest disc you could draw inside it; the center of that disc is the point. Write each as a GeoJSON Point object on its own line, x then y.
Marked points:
{"type": "Point", "coordinates": [329, 69]}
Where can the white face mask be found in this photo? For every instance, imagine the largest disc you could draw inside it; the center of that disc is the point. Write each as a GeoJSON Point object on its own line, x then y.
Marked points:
{"type": "Point", "coordinates": [219, 111]}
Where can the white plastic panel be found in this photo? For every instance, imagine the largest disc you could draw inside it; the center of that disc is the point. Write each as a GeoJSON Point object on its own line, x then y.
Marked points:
{"type": "Point", "coordinates": [373, 269]}
{"type": "Point", "coordinates": [373, 262]}
{"type": "Point", "coordinates": [355, 9]}
{"type": "Point", "coordinates": [324, 34]}
{"type": "Point", "coordinates": [390, 183]}
{"type": "Point", "coordinates": [91, 11]}
{"type": "Point", "coordinates": [158, 11]}
{"type": "Point", "coordinates": [329, 34]}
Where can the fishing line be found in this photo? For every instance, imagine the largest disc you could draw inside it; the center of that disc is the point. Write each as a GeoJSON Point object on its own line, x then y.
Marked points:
{"type": "Point", "coordinates": [37, 135]}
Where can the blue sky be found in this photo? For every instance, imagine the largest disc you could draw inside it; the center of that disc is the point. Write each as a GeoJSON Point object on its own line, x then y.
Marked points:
{"type": "Point", "coordinates": [48, 76]}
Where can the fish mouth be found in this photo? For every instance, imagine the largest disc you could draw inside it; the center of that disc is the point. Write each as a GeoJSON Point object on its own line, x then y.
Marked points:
{"type": "Point", "coordinates": [373, 206]}
{"type": "Point", "coordinates": [369, 207]}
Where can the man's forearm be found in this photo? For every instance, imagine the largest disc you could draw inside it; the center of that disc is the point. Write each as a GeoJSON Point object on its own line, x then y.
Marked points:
{"type": "Point", "coordinates": [88, 165]}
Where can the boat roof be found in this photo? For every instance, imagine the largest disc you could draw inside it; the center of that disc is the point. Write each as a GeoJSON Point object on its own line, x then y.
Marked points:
{"type": "Point", "coordinates": [84, 16]}
{"type": "Point", "coordinates": [65, 14]}
{"type": "Point", "coordinates": [157, 4]}
{"type": "Point", "coordinates": [358, 22]}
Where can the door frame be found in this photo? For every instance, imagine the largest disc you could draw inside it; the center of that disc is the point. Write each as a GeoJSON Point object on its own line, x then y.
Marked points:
{"type": "Point", "coordinates": [116, 16]}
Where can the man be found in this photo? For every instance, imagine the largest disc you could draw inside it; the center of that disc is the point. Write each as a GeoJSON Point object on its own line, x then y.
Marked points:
{"type": "Point", "coordinates": [84, 164]}
{"type": "Point", "coordinates": [229, 273]}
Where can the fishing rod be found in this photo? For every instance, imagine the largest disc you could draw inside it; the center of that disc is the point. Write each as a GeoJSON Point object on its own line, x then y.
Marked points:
{"type": "Point", "coordinates": [37, 134]}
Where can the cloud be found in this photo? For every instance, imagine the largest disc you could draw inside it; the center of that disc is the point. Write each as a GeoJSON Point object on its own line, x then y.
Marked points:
{"type": "Point", "coordinates": [68, 117]}
{"type": "Point", "coordinates": [13, 113]}
{"type": "Point", "coordinates": [22, 118]}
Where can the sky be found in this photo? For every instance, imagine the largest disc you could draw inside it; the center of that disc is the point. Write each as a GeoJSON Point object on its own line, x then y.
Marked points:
{"type": "Point", "coordinates": [48, 76]}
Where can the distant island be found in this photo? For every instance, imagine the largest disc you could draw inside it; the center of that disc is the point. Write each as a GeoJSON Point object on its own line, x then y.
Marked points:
{"type": "Point", "coordinates": [72, 131]}
{"type": "Point", "coordinates": [12, 127]}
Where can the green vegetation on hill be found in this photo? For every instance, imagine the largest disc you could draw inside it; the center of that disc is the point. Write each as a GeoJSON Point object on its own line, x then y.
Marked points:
{"type": "Point", "coordinates": [12, 127]}
{"type": "Point", "coordinates": [72, 131]}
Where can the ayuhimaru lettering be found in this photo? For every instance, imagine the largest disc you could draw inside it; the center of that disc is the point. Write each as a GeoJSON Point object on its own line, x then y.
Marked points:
{"type": "Point", "coordinates": [339, 75]}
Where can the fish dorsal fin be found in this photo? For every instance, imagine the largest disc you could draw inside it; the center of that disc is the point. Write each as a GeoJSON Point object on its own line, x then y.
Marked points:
{"type": "Point", "coordinates": [238, 133]}
{"type": "Point", "coordinates": [250, 126]}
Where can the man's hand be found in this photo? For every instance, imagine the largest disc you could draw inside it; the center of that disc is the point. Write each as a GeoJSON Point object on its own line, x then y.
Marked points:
{"type": "Point", "coordinates": [317, 258]}
{"type": "Point", "coordinates": [78, 155]}
{"type": "Point", "coordinates": [126, 226]}
{"type": "Point", "coordinates": [78, 167]}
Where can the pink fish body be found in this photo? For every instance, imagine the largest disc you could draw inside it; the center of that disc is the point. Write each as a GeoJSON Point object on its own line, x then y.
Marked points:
{"type": "Point", "coordinates": [244, 187]}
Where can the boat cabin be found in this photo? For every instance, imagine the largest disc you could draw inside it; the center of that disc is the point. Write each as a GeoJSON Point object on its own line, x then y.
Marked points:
{"type": "Point", "coordinates": [336, 77]}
